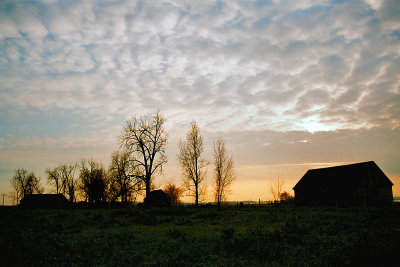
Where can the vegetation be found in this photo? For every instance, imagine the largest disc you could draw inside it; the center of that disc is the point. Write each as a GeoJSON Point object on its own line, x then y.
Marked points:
{"type": "Point", "coordinates": [192, 163]}
{"type": "Point", "coordinates": [64, 180]}
{"type": "Point", "coordinates": [93, 182]}
{"type": "Point", "coordinates": [285, 197]}
{"type": "Point", "coordinates": [204, 236]}
{"type": "Point", "coordinates": [276, 189]}
{"type": "Point", "coordinates": [132, 169]}
{"type": "Point", "coordinates": [223, 171]}
{"type": "Point", "coordinates": [124, 184]}
{"type": "Point", "coordinates": [175, 193]}
{"type": "Point", "coordinates": [25, 183]}
{"type": "Point", "coordinates": [145, 140]}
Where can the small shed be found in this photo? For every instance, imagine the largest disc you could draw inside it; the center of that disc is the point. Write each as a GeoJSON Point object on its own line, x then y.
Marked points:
{"type": "Point", "coordinates": [157, 198]}
{"type": "Point", "coordinates": [44, 201]}
{"type": "Point", "coordinates": [359, 184]}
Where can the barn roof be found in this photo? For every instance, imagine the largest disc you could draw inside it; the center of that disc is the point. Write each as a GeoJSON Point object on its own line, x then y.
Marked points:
{"type": "Point", "coordinates": [344, 175]}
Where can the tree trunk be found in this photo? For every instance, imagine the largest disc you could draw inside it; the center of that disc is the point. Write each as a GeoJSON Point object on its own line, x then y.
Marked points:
{"type": "Point", "coordinates": [197, 194]}
{"type": "Point", "coordinates": [147, 191]}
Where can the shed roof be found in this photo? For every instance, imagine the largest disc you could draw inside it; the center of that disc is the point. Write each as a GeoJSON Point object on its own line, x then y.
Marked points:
{"type": "Point", "coordinates": [343, 175]}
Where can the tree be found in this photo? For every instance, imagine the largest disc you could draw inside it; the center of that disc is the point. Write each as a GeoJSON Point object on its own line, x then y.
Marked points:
{"type": "Point", "coordinates": [191, 162]}
{"type": "Point", "coordinates": [64, 180]}
{"type": "Point", "coordinates": [276, 189]}
{"type": "Point", "coordinates": [285, 196]}
{"type": "Point", "coordinates": [123, 181]}
{"type": "Point", "coordinates": [145, 140]}
{"type": "Point", "coordinates": [223, 171]}
{"type": "Point", "coordinates": [93, 181]}
{"type": "Point", "coordinates": [174, 192]}
{"type": "Point", "coordinates": [25, 183]}
{"type": "Point", "coordinates": [18, 183]}
{"type": "Point", "coordinates": [69, 181]}
{"type": "Point", "coordinates": [54, 177]}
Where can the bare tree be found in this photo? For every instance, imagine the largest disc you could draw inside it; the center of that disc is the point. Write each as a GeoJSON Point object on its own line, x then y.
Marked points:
{"type": "Point", "coordinates": [64, 180]}
{"type": "Point", "coordinates": [191, 162]}
{"type": "Point", "coordinates": [33, 185]}
{"type": "Point", "coordinates": [93, 181]}
{"type": "Point", "coordinates": [13, 196]}
{"type": "Point", "coordinates": [223, 171]}
{"type": "Point", "coordinates": [145, 140]}
{"type": "Point", "coordinates": [276, 189]}
{"type": "Point", "coordinates": [54, 177]}
{"type": "Point", "coordinates": [123, 181]}
{"type": "Point", "coordinates": [24, 183]}
{"type": "Point", "coordinates": [18, 184]}
{"type": "Point", "coordinates": [174, 192]}
{"type": "Point", "coordinates": [69, 181]}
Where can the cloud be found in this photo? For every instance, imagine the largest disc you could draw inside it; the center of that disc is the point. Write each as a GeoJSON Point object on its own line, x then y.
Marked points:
{"type": "Point", "coordinates": [297, 147]}
{"type": "Point", "coordinates": [311, 99]}
{"type": "Point", "coordinates": [285, 66]}
{"type": "Point", "coordinates": [169, 54]}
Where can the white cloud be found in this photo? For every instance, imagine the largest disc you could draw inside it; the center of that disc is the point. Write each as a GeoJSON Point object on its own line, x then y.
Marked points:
{"type": "Point", "coordinates": [198, 58]}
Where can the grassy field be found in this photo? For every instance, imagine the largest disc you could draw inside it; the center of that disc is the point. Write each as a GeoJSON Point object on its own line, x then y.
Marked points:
{"type": "Point", "coordinates": [205, 236]}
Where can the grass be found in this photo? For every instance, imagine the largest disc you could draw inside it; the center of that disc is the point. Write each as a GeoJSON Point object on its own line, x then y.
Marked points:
{"type": "Point", "coordinates": [205, 236]}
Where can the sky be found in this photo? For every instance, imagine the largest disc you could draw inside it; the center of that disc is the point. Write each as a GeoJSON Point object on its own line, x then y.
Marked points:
{"type": "Point", "coordinates": [289, 85]}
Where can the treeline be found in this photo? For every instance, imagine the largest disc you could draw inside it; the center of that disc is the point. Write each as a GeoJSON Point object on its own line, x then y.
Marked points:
{"type": "Point", "coordinates": [133, 168]}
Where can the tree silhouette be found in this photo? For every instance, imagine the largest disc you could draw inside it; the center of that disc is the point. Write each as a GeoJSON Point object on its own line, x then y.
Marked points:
{"type": "Point", "coordinates": [191, 162]}
{"type": "Point", "coordinates": [285, 196]}
{"type": "Point", "coordinates": [276, 189]}
{"type": "Point", "coordinates": [123, 178]}
{"type": "Point", "coordinates": [64, 180]}
{"type": "Point", "coordinates": [145, 140]}
{"type": "Point", "coordinates": [92, 181]}
{"type": "Point", "coordinates": [25, 183]}
{"type": "Point", "coordinates": [54, 177]}
{"type": "Point", "coordinates": [223, 171]}
{"type": "Point", "coordinates": [69, 181]}
{"type": "Point", "coordinates": [174, 192]}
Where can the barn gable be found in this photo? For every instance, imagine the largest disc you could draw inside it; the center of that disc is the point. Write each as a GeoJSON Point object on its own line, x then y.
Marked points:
{"type": "Point", "coordinates": [360, 184]}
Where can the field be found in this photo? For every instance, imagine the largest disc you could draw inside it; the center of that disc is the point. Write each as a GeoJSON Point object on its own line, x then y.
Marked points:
{"type": "Point", "coordinates": [204, 236]}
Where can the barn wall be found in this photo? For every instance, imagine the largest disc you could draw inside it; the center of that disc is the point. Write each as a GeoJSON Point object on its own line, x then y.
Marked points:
{"type": "Point", "coordinates": [385, 196]}
{"type": "Point", "coordinates": [326, 197]}
{"type": "Point", "coordinates": [360, 196]}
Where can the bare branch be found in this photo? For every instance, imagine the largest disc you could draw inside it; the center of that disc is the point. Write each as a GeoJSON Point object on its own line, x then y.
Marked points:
{"type": "Point", "coordinates": [145, 140]}
{"type": "Point", "coordinates": [276, 189]}
{"type": "Point", "coordinates": [190, 160]}
{"type": "Point", "coordinates": [223, 171]}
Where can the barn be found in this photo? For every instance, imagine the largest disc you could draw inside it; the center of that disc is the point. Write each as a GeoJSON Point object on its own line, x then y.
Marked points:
{"type": "Point", "coordinates": [45, 201]}
{"type": "Point", "coordinates": [157, 198]}
{"type": "Point", "coordinates": [359, 184]}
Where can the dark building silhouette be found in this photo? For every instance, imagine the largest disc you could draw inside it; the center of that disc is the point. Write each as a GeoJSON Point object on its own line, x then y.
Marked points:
{"type": "Point", "coordinates": [44, 201]}
{"type": "Point", "coordinates": [360, 184]}
{"type": "Point", "coordinates": [157, 198]}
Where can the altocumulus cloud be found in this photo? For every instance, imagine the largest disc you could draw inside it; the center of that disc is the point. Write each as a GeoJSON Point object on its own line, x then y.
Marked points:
{"type": "Point", "coordinates": [73, 69]}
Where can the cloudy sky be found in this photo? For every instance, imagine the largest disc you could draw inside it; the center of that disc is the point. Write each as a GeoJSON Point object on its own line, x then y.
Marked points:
{"type": "Point", "coordinates": [289, 85]}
